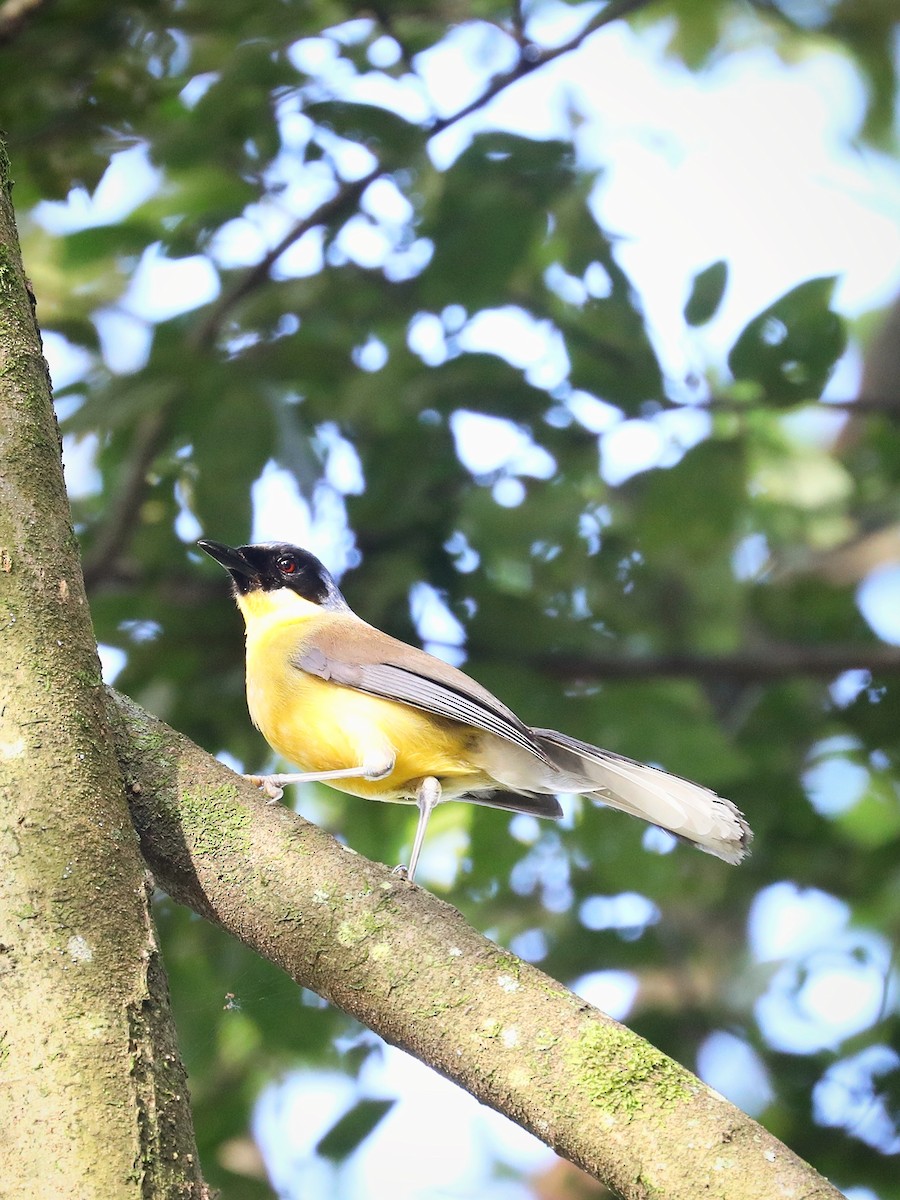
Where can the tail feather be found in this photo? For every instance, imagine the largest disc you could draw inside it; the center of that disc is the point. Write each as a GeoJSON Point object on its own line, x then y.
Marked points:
{"type": "Point", "coordinates": [686, 809]}
{"type": "Point", "coordinates": [536, 804]}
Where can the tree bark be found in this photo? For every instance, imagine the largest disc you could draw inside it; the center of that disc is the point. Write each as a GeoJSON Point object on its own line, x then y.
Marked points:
{"type": "Point", "coordinates": [93, 1102]}
{"type": "Point", "coordinates": [408, 966]}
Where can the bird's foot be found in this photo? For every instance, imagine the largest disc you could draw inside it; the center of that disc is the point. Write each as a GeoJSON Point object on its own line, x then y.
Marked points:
{"type": "Point", "coordinates": [268, 786]}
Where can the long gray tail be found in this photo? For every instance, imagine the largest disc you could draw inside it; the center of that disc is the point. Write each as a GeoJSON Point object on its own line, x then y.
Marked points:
{"type": "Point", "coordinates": [685, 809]}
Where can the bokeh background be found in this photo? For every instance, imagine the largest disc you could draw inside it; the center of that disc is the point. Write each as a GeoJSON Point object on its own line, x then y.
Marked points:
{"type": "Point", "coordinates": [572, 344]}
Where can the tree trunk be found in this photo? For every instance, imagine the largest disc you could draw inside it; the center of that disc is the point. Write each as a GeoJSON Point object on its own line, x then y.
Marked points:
{"type": "Point", "coordinates": [93, 1102]}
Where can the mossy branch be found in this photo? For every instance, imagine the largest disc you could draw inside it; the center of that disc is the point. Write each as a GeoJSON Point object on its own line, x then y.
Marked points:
{"type": "Point", "coordinates": [408, 966]}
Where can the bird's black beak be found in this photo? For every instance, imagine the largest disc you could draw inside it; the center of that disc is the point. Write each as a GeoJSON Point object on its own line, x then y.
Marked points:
{"type": "Point", "coordinates": [232, 560]}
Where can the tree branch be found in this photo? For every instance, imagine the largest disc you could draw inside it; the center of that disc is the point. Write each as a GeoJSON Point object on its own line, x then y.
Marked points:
{"type": "Point", "coordinates": [409, 967]}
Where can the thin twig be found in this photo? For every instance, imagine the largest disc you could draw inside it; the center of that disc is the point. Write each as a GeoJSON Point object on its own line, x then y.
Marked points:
{"type": "Point", "coordinates": [887, 406]}
{"type": "Point", "coordinates": [385, 19]}
{"type": "Point", "coordinates": [532, 59]}
{"type": "Point", "coordinates": [347, 194]}
{"type": "Point", "coordinates": [518, 22]}
{"type": "Point", "coordinates": [116, 532]}
{"type": "Point", "coordinates": [762, 664]}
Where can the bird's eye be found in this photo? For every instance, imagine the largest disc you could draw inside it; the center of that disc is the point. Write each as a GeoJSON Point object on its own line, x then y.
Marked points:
{"type": "Point", "coordinates": [287, 564]}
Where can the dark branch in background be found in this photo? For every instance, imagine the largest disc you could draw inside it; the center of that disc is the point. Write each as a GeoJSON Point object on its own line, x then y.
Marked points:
{"type": "Point", "coordinates": [763, 664]}
{"type": "Point", "coordinates": [518, 22]}
{"type": "Point", "coordinates": [888, 406]}
{"type": "Point", "coordinates": [116, 531]}
{"type": "Point", "coordinates": [532, 58]}
{"type": "Point", "coordinates": [385, 19]}
{"type": "Point", "coordinates": [347, 194]}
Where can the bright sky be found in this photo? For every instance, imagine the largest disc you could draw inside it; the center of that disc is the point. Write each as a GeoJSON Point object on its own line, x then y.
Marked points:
{"type": "Point", "coordinates": [751, 163]}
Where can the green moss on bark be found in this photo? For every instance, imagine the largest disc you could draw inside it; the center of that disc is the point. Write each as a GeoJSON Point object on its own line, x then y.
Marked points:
{"type": "Point", "coordinates": [621, 1074]}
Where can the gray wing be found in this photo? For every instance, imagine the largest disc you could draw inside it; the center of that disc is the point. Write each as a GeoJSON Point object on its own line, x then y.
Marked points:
{"type": "Point", "coordinates": [426, 683]}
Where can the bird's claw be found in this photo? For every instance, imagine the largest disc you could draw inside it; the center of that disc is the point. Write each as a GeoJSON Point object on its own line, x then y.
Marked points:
{"type": "Point", "coordinates": [270, 790]}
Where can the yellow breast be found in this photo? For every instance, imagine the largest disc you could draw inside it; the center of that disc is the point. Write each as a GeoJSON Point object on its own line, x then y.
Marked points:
{"type": "Point", "coordinates": [323, 726]}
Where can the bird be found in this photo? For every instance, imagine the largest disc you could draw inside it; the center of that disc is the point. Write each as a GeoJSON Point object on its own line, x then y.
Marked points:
{"type": "Point", "coordinates": [369, 714]}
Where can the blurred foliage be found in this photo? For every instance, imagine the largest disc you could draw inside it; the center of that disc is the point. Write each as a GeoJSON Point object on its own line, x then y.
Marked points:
{"type": "Point", "coordinates": [347, 366]}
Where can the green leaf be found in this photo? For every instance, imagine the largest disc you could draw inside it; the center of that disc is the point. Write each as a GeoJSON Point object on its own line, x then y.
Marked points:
{"type": "Point", "coordinates": [875, 819]}
{"type": "Point", "coordinates": [610, 354]}
{"type": "Point", "coordinates": [389, 135]}
{"type": "Point", "coordinates": [706, 294]}
{"type": "Point", "coordinates": [700, 497]}
{"type": "Point", "coordinates": [352, 1129]}
{"type": "Point", "coordinates": [86, 246]}
{"type": "Point", "coordinates": [695, 35]}
{"type": "Point", "coordinates": [489, 220]}
{"type": "Point", "coordinates": [791, 347]}
{"type": "Point", "coordinates": [198, 191]}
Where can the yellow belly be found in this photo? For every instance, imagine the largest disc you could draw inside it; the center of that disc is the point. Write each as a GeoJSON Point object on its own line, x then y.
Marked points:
{"type": "Point", "coordinates": [323, 726]}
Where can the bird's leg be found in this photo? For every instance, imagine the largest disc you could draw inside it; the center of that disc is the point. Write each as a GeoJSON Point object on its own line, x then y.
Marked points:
{"type": "Point", "coordinates": [372, 767]}
{"type": "Point", "coordinates": [427, 799]}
